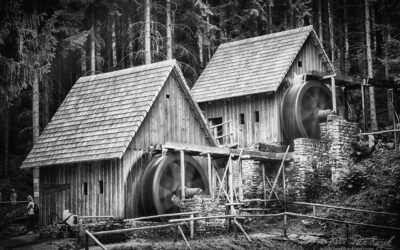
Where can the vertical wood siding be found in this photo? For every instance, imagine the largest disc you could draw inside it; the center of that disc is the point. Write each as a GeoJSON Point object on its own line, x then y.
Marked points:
{"type": "Point", "coordinates": [169, 120]}
{"type": "Point", "coordinates": [109, 203]}
{"type": "Point", "coordinates": [268, 129]}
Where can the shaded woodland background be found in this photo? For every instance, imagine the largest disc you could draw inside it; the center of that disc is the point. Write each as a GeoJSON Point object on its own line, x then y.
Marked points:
{"type": "Point", "coordinates": [45, 46]}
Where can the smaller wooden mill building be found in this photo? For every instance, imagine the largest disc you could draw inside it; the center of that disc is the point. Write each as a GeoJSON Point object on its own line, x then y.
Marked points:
{"type": "Point", "coordinates": [94, 151]}
{"type": "Point", "coordinates": [244, 83]}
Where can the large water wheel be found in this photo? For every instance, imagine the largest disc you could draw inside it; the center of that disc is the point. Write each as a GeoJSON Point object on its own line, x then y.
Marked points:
{"type": "Point", "coordinates": [161, 181]}
{"type": "Point", "coordinates": [303, 107]}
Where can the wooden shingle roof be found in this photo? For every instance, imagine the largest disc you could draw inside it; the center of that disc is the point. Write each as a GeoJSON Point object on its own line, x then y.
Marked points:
{"type": "Point", "coordinates": [101, 114]}
{"type": "Point", "coordinates": [252, 66]}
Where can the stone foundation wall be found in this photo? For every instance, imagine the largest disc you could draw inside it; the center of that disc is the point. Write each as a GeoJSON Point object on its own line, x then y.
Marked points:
{"type": "Point", "coordinates": [206, 207]}
{"type": "Point", "coordinates": [330, 154]}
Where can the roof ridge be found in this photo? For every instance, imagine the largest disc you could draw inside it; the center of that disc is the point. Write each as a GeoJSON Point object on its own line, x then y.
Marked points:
{"type": "Point", "coordinates": [308, 28]}
{"type": "Point", "coordinates": [131, 70]}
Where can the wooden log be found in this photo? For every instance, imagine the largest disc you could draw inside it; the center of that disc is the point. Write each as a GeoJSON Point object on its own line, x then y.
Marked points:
{"type": "Point", "coordinates": [334, 102]}
{"type": "Point", "coordinates": [183, 236]}
{"type": "Point", "coordinates": [240, 179]}
{"type": "Point", "coordinates": [161, 216]}
{"type": "Point", "coordinates": [209, 163]}
{"type": "Point", "coordinates": [264, 184]}
{"type": "Point", "coordinates": [191, 227]}
{"type": "Point", "coordinates": [343, 222]}
{"type": "Point", "coordinates": [125, 230]}
{"type": "Point", "coordinates": [343, 208]}
{"type": "Point", "coordinates": [242, 229]}
{"type": "Point", "coordinates": [205, 218]}
{"type": "Point", "coordinates": [182, 154]}
{"type": "Point", "coordinates": [381, 132]}
{"type": "Point", "coordinates": [261, 215]}
{"type": "Point", "coordinates": [284, 202]}
{"type": "Point", "coordinates": [277, 176]}
{"type": "Point", "coordinates": [94, 239]}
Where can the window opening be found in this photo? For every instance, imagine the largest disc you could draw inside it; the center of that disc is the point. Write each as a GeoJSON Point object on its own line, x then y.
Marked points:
{"type": "Point", "coordinates": [299, 64]}
{"type": "Point", "coordinates": [217, 131]}
{"type": "Point", "coordinates": [257, 116]}
{"type": "Point", "coordinates": [101, 187]}
{"type": "Point", "coordinates": [85, 188]}
{"type": "Point", "coordinates": [242, 119]}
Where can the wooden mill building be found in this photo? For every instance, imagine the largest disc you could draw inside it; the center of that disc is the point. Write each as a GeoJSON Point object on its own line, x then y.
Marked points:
{"type": "Point", "coordinates": [92, 153]}
{"type": "Point", "coordinates": [245, 80]}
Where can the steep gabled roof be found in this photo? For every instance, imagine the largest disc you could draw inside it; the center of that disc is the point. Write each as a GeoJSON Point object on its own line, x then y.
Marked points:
{"type": "Point", "coordinates": [101, 114]}
{"type": "Point", "coordinates": [252, 66]}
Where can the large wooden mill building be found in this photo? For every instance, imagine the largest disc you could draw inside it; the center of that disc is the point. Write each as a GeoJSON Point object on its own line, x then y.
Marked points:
{"type": "Point", "coordinates": [244, 84]}
{"type": "Point", "coordinates": [93, 154]}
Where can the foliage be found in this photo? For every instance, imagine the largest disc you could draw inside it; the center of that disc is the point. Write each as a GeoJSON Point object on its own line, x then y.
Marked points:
{"type": "Point", "coordinates": [27, 47]}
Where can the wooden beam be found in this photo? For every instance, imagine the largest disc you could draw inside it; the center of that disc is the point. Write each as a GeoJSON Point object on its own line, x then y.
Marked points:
{"type": "Point", "coordinates": [334, 103]}
{"type": "Point", "coordinates": [161, 216]}
{"type": "Point", "coordinates": [381, 132]}
{"type": "Point", "coordinates": [277, 176]}
{"type": "Point", "coordinates": [264, 184]}
{"type": "Point", "coordinates": [216, 151]}
{"type": "Point", "coordinates": [209, 163]}
{"type": "Point", "coordinates": [183, 193]}
{"type": "Point", "coordinates": [95, 240]}
{"type": "Point", "coordinates": [125, 230]}
{"type": "Point", "coordinates": [183, 236]}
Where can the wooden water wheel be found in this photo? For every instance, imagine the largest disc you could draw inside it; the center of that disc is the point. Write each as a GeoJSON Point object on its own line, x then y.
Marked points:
{"type": "Point", "coordinates": [303, 107]}
{"type": "Point", "coordinates": [161, 181]}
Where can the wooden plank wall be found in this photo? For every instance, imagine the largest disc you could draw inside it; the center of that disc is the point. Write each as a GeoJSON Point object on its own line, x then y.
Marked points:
{"type": "Point", "coordinates": [310, 60]}
{"type": "Point", "coordinates": [268, 129]}
{"type": "Point", "coordinates": [169, 120]}
{"type": "Point", "coordinates": [109, 203]}
{"type": "Point", "coordinates": [251, 131]}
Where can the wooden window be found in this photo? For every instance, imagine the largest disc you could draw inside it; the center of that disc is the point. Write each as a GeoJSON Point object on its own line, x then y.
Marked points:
{"type": "Point", "coordinates": [257, 116]}
{"type": "Point", "coordinates": [85, 188]}
{"type": "Point", "coordinates": [101, 187]}
{"type": "Point", "coordinates": [299, 64]}
{"type": "Point", "coordinates": [242, 119]}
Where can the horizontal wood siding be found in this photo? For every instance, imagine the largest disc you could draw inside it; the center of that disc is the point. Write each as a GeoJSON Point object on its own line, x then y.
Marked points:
{"type": "Point", "coordinates": [109, 203]}
{"type": "Point", "coordinates": [169, 120]}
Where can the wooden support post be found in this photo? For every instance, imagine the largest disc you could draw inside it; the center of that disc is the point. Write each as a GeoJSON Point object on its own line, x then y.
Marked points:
{"type": "Point", "coordinates": [86, 242]}
{"type": "Point", "coordinates": [347, 235]}
{"type": "Point", "coordinates": [345, 103]}
{"type": "Point", "coordinates": [284, 203]}
{"type": "Point", "coordinates": [264, 184]}
{"type": "Point", "coordinates": [279, 172]}
{"type": "Point", "coordinates": [314, 210]}
{"type": "Point", "coordinates": [334, 103]}
{"type": "Point", "coordinates": [183, 236]}
{"type": "Point", "coordinates": [364, 113]}
{"type": "Point", "coordinates": [191, 227]}
{"type": "Point", "coordinates": [214, 182]}
{"type": "Point", "coordinates": [182, 153]}
{"type": "Point", "coordinates": [209, 163]}
{"type": "Point", "coordinates": [176, 234]}
{"type": "Point", "coordinates": [230, 181]}
{"type": "Point", "coordinates": [240, 180]}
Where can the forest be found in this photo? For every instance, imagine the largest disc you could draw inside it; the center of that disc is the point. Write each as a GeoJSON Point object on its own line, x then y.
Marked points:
{"type": "Point", "coordinates": [45, 46]}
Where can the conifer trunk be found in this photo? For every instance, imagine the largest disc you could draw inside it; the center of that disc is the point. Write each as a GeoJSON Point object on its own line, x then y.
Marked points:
{"type": "Point", "coordinates": [331, 38]}
{"type": "Point", "coordinates": [6, 129]}
{"type": "Point", "coordinates": [169, 31]}
{"type": "Point", "coordinates": [35, 117]}
{"type": "Point", "coordinates": [374, 124]}
{"type": "Point", "coordinates": [45, 100]}
{"type": "Point", "coordinates": [130, 43]}
{"type": "Point", "coordinates": [345, 31]}
{"type": "Point", "coordinates": [320, 31]}
{"type": "Point", "coordinates": [147, 52]}
{"type": "Point", "coordinates": [92, 46]}
{"type": "Point", "coordinates": [83, 60]}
